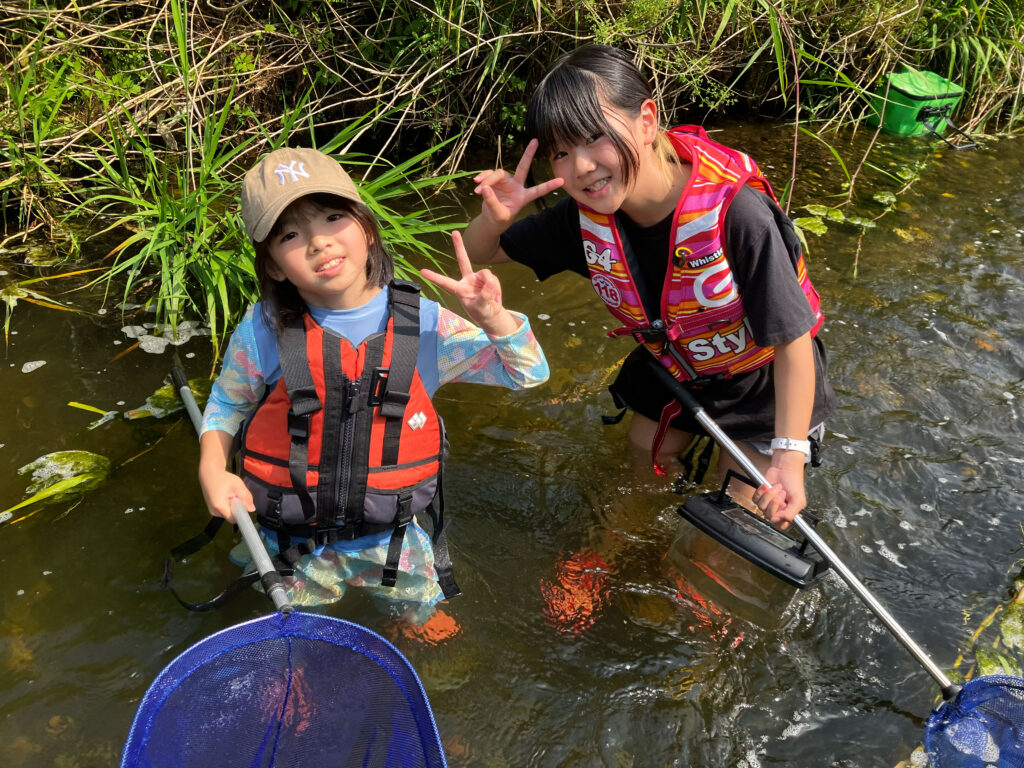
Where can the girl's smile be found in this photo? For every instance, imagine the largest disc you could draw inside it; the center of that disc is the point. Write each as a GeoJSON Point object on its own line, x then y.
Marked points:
{"type": "Point", "coordinates": [331, 267]}
{"type": "Point", "coordinates": [592, 171]}
{"type": "Point", "coordinates": [323, 253]}
{"type": "Point", "coordinates": [593, 168]}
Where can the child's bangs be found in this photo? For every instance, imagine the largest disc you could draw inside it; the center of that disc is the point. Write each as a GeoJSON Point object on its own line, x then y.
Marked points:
{"type": "Point", "coordinates": [307, 206]}
{"type": "Point", "coordinates": [565, 109]}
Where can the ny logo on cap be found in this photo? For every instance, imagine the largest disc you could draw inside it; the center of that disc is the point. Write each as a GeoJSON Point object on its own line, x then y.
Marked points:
{"type": "Point", "coordinates": [417, 421]}
{"type": "Point", "coordinates": [291, 170]}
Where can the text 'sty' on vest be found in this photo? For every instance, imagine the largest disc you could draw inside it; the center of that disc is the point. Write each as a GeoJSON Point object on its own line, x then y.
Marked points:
{"type": "Point", "coordinates": [341, 445]}
{"type": "Point", "coordinates": [703, 329]}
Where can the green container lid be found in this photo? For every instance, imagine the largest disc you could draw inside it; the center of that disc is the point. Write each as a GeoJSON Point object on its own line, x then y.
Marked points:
{"type": "Point", "coordinates": [918, 85]}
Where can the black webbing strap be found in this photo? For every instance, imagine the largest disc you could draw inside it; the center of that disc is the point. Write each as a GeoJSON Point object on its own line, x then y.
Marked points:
{"type": "Point", "coordinates": [704, 461]}
{"type": "Point", "coordinates": [213, 603]}
{"type": "Point", "coordinates": [298, 379]}
{"type": "Point", "coordinates": [402, 521]}
{"type": "Point", "coordinates": [442, 557]}
{"type": "Point", "coordinates": [691, 475]}
{"type": "Point", "coordinates": [639, 278]}
{"type": "Point", "coordinates": [405, 310]}
{"type": "Point", "coordinates": [614, 418]}
{"type": "Point", "coordinates": [286, 559]}
{"type": "Point", "coordinates": [816, 447]}
{"type": "Point", "coordinates": [196, 543]}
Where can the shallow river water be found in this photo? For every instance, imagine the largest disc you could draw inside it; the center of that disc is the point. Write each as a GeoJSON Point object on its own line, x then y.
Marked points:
{"type": "Point", "coordinates": [921, 494]}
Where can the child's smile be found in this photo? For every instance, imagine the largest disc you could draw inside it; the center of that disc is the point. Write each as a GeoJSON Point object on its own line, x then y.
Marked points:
{"type": "Point", "coordinates": [592, 172]}
{"type": "Point", "coordinates": [323, 253]}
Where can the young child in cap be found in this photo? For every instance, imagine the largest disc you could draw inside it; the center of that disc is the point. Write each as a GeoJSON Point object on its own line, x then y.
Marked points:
{"type": "Point", "coordinates": [326, 388]}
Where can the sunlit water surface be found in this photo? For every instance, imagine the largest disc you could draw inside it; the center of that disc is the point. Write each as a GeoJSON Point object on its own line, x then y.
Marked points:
{"type": "Point", "coordinates": [921, 495]}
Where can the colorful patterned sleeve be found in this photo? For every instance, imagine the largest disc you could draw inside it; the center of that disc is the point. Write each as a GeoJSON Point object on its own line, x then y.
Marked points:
{"type": "Point", "coordinates": [466, 353]}
{"type": "Point", "coordinates": [240, 385]}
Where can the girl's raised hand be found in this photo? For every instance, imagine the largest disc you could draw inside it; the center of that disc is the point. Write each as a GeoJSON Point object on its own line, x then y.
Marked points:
{"type": "Point", "coordinates": [506, 194]}
{"type": "Point", "coordinates": [478, 292]}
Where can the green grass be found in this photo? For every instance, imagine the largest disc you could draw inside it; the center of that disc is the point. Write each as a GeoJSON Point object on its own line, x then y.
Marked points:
{"type": "Point", "coordinates": [145, 114]}
{"type": "Point", "coordinates": [186, 243]}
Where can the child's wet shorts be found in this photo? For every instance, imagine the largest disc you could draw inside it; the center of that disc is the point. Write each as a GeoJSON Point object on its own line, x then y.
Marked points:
{"type": "Point", "coordinates": [322, 577]}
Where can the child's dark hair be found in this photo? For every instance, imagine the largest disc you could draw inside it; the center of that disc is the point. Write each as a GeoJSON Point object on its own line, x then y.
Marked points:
{"type": "Point", "coordinates": [280, 299]}
{"type": "Point", "coordinates": [566, 107]}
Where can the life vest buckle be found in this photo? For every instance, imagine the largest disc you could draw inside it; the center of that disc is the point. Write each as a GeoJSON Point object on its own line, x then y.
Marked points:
{"type": "Point", "coordinates": [650, 334]}
{"type": "Point", "coordinates": [707, 380]}
{"type": "Point", "coordinates": [378, 382]}
{"type": "Point", "coordinates": [271, 516]}
{"type": "Point", "coordinates": [298, 425]}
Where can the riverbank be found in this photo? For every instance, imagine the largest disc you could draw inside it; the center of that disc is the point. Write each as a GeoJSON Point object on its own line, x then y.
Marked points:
{"type": "Point", "coordinates": [140, 117]}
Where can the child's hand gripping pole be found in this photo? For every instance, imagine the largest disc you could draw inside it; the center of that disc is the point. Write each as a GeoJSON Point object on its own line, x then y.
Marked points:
{"type": "Point", "coordinates": [269, 576]}
{"type": "Point", "coordinates": [682, 394]}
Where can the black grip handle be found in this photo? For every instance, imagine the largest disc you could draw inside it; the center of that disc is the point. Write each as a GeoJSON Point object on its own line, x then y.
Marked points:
{"type": "Point", "coordinates": [678, 390]}
{"type": "Point", "coordinates": [179, 378]}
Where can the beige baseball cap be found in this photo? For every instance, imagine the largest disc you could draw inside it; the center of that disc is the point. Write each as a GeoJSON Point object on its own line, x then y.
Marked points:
{"type": "Point", "coordinates": [281, 178]}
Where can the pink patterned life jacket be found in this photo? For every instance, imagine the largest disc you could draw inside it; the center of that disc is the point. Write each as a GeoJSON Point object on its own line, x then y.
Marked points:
{"type": "Point", "coordinates": [702, 331]}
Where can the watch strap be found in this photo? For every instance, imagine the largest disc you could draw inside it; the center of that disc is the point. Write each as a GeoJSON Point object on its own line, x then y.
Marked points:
{"type": "Point", "coordinates": [789, 444]}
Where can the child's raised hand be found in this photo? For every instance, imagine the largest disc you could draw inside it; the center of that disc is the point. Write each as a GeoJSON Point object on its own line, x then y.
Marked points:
{"type": "Point", "coordinates": [478, 292]}
{"type": "Point", "coordinates": [506, 194]}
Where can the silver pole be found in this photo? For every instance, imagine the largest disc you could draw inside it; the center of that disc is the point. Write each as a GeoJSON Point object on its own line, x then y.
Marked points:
{"type": "Point", "coordinates": [268, 573]}
{"type": "Point", "coordinates": [275, 589]}
{"type": "Point", "coordinates": [949, 690]}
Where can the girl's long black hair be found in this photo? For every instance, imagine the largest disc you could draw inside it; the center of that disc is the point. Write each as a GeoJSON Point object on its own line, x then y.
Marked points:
{"type": "Point", "coordinates": [280, 300]}
{"type": "Point", "coordinates": [567, 108]}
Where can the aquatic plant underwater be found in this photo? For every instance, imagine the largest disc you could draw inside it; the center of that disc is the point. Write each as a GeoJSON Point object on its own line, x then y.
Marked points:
{"type": "Point", "coordinates": [64, 477]}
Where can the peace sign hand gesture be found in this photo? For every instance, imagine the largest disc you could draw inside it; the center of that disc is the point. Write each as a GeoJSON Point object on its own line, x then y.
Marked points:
{"type": "Point", "coordinates": [506, 194]}
{"type": "Point", "coordinates": [478, 292]}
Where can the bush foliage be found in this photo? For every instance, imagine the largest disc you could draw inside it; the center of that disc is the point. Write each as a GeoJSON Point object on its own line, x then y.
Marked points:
{"type": "Point", "coordinates": [148, 111]}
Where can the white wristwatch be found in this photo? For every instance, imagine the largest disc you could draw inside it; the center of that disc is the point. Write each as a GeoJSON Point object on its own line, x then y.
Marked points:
{"type": "Point", "coordinates": [789, 444]}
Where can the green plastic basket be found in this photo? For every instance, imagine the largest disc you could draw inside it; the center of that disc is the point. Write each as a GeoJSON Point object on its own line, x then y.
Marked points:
{"type": "Point", "coordinates": [919, 102]}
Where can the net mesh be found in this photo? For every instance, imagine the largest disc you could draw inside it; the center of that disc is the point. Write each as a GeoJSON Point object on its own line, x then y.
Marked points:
{"type": "Point", "coordinates": [982, 727]}
{"type": "Point", "coordinates": [297, 690]}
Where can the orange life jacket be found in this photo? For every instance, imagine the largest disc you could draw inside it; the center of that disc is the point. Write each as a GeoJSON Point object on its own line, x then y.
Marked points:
{"type": "Point", "coordinates": [348, 442]}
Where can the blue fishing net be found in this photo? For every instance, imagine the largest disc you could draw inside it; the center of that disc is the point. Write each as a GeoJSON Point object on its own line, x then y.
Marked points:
{"type": "Point", "coordinates": [299, 690]}
{"type": "Point", "coordinates": [982, 727]}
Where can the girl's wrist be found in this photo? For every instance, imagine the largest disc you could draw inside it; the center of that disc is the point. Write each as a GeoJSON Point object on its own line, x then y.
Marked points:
{"type": "Point", "coordinates": [502, 323]}
{"type": "Point", "coordinates": [788, 459]}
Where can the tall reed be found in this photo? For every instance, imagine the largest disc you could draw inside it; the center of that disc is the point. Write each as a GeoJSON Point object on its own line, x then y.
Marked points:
{"type": "Point", "coordinates": [144, 112]}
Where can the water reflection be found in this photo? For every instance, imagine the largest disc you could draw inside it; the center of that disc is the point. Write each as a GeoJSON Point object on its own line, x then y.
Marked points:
{"type": "Point", "coordinates": [715, 581]}
{"type": "Point", "coordinates": [678, 654]}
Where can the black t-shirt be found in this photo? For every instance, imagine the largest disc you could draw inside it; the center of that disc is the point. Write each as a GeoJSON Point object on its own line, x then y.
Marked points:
{"type": "Point", "coordinates": [762, 249]}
